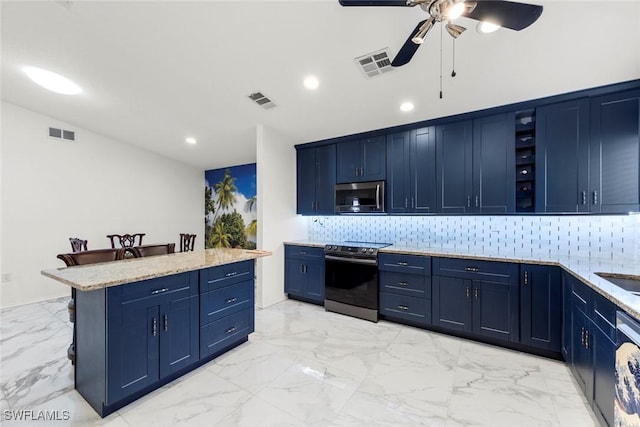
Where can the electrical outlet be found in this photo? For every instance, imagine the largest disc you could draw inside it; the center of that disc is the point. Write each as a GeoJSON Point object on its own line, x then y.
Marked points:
{"type": "Point", "coordinates": [6, 277]}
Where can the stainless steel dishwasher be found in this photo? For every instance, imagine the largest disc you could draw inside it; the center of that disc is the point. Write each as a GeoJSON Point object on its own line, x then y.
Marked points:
{"type": "Point", "coordinates": [627, 390]}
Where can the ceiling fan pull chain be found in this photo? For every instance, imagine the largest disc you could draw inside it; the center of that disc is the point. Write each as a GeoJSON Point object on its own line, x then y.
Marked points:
{"type": "Point", "coordinates": [453, 67]}
{"type": "Point", "coordinates": [440, 60]}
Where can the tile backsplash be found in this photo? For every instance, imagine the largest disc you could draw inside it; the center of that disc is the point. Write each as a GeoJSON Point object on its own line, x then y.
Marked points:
{"type": "Point", "coordinates": [615, 236]}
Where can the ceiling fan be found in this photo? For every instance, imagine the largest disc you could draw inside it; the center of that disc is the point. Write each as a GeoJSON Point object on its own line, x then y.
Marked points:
{"type": "Point", "coordinates": [508, 14]}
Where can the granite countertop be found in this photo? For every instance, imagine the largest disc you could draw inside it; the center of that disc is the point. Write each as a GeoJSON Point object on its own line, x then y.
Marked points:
{"type": "Point", "coordinates": [102, 275]}
{"type": "Point", "coordinates": [583, 268]}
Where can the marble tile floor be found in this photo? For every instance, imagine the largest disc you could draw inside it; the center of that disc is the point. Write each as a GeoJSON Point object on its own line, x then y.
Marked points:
{"type": "Point", "coordinates": [302, 367]}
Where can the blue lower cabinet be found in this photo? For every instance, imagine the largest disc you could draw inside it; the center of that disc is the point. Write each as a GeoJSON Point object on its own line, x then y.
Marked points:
{"type": "Point", "coordinates": [604, 355]}
{"type": "Point", "coordinates": [496, 310]}
{"type": "Point", "coordinates": [541, 306]}
{"type": "Point", "coordinates": [415, 311]}
{"type": "Point", "coordinates": [452, 303]}
{"type": "Point", "coordinates": [218, 335]}
{"type": "Point", "coordinates": [304, 273]}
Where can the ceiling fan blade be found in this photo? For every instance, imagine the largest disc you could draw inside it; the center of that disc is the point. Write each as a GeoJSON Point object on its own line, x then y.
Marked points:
{"type": "Point", "coordinates": [408, 49]}
{"type": "Point", "coordinates": [508, 14]}
{"type": "Point", "coordinates": [373, 3]}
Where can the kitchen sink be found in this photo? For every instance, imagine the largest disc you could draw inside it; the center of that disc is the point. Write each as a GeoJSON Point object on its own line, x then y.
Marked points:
{"type": "Point", "coordinates": [629, 285]}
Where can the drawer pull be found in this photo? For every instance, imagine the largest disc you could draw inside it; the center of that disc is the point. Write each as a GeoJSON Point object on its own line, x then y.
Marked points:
{"type": "Point", "coordinates": [403, 284]}
{"type": "Point", "coordinates": [231, 330]}
{"type": "Point", "coordinates": [231, 300]}
{"type": "Point", "coordinates": [303, 252]}
{"type": "Point", "coordinates": [154, 327]}
{"type": "Point", "coordinates": [159, 291]}
{"type": "Point", "coordinates": [472, 269]}
{"type": "Point", "coordinates": [166, 322]}
{"type": "Point", "coordinates": [403, 263]}
{"type": "Point", "coordinates": [403, 307]}
{"type": "Point", "coordinates": [233, 273]}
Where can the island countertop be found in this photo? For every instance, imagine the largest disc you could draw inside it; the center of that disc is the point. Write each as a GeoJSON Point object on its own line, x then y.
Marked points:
{"type": "Point", "coordinates": [102, 275]}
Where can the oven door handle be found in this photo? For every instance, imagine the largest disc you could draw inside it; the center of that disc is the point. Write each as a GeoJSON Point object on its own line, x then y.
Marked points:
{"type": "Point", "coordinates": [351, 260]}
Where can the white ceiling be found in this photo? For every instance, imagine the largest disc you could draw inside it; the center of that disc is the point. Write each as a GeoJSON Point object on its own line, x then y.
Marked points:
{"type": "Point", "coordinates": [155, 72]}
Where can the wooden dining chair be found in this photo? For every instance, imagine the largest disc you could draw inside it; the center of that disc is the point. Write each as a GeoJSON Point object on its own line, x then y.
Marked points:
{"type": "Point", "coordinates": [77, 245]}
{"type": "Point", "coordinates": [187, 242]}
{"type": "Point", "coordinates": [126, 240]}
{"type": "Point", "coordinates": [83, 258]}
{"type": "Point", "coordinates": [151, 250]}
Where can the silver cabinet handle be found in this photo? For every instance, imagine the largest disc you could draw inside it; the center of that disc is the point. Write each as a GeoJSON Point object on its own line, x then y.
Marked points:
{"type": "Point", "coordinates": [584, 197]}
{"type": "Point", "coordinates": [526, 277]}
{"type": "Point", "coordinates": [231, 300]}
{"type": "Point", "coordinates": [159, 291]}
{"type": "Point", "coordinates": [468, 292]}
{"type": "Point", "coordinates": [231, 330]}
{"type": "Point", "coordinates": [403, 307]}
{"type": "Point", "coordinates": [154, 327]}
{"type": "Point", "coordinates": [472, 269]}
{"type": "Point", "coordinates": [233, 273]}
{"type": "Point", "coordinates": [403, 263]}
{"type": "Point", "coordinates": [477, 201]}
{"type": "Point", "coordinates": [378, 196]}
{"type": "Point", "coordinates": [403, 284]}
{"type": "Point", "coordinates": [413, 205]}
{"type": "Point", "coordinates": [595, 197]}
{"type": "Point", "coordinates": [406, 203]}
{"type": "Point", "coordinates": [165, 321]}
{"type": "Point", "coordinates": [303, 252]}
{"type": "Point", "coordinates": [468, 201]}
{"type": "Point", "coordinates": [475, 293]}
{"type": "Point", "coordinates": [357, 171]}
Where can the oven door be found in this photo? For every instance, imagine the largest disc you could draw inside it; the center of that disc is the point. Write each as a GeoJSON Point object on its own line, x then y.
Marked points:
{"type": "Point", "coordinates": [352, 281]}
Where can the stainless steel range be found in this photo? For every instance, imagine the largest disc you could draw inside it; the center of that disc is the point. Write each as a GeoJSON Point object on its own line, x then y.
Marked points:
{"type": "Point", "coordinates": [351, 279]}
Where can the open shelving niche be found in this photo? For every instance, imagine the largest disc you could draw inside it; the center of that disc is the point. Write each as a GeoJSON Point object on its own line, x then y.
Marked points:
{"type": "Point", "coordinates": [525, 160]}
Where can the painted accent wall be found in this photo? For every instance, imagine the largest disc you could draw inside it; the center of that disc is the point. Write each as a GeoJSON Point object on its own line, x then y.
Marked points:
{"type": "Point", "coordinates": [54, 189]}
{"type": "Point", "coordinates": [276, 170]}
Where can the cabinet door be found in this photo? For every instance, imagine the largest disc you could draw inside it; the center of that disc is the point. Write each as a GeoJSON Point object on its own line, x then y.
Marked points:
{"type": "Point", "coordinates": [567, 331]}
{"type": "Point", "coordinates": [398, 184]}
{"type": "Point", "coordinates": [295, 282]}
{"type": "Point", "coordinates": [562, 157]}
{"type": "Point", "coordinates": [615, 153]}
{"type": "Point", "coordinates": [178, 334]}
{"type": "Point", "coordinates": [373, 159]}
{"type": "Point", "coordinates": [495, 310]}
{"type": "Point", "coordinates": [452, 303]}
{"type": "Point", "coordinates": [348, 161]}
{"type": "Point", "coordinates": [422, 181]}
{"type": "Point", "coordinates": [581, 345]}
{"type": "Point", "coordinates": [314, 272]}
{"type": "Point", "coordinates": [541, 306]}
{"type": "Point", "coordinates": [604, 355]}
{"type": "Point", "coordinates": [133, 348]}
{"type": "Point", "coordinates": [325, 180]}
{"type": "Point", "coordinates": [494, 164]}
{"type": "Point", "coordinates": [306, 181]}
{"type": "Point", "coordinates": [454, 149]}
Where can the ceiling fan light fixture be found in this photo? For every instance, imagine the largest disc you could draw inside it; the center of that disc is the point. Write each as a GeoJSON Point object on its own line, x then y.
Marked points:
{"type": "Point", "coordinates": [422, 32]}
{"type": "Point", "coordinates": [455, 30]}
{"type": "Point", "coordinates": [455, 9]}
{"type": "Point", "coordinates": [485, 27]}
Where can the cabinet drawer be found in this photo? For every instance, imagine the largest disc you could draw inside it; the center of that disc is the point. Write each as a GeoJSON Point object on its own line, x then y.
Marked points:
{"type": "Point", "coordinates": [414, 264]}
{"type": "Point", "coordinates": [223, 301]}
{"type": "Point", "coordinates": [414, 285]}
{"type": "Point", "coordinates": [415, 310]}
{"type": "Point", "coordinates": [186, 283]}
{"type": "Point", "coordinates": [217, 335]}
{"type": "Point", "coordinates": [225, 275]}
{"type": "Point", "coordinates": [304, 252]}
{"type": "Point", "coordinates": [604, 315]}
{"type": "Point", "coordinates": [500, 272]}
{"type": "Point", "coordinates": [581, 295]}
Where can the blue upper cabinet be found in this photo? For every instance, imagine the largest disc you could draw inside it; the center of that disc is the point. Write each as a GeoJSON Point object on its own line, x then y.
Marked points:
{"type": "Point", "coordinates": [476, 165]}
{"type": "Point", "coordinates": [562, 157]}
{"type": "Point", "coordinates": [411, 189]}
{"type": "Point", "coordinates": [316, 179]}
{"type": "Point", "coordinates": [361, 160]}
{"type": "Point", "coordinates": [615, 153]}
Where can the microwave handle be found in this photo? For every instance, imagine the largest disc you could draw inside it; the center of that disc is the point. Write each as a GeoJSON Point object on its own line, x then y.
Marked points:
{"type": "Point", "coordinates": [378, 196]}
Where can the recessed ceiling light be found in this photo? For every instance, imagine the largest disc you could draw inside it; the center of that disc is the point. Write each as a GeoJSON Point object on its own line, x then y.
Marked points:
{"type": "Point", "coordinates": [311, 82]}
{"type": "Point", "coordinates": [406, 106]}
{"type": "Point", "coordinates": [191, 140]}
{"type": "Point", "coordinates": [52, 81]}
{"type": "Point", "coordinates": [487, 27]}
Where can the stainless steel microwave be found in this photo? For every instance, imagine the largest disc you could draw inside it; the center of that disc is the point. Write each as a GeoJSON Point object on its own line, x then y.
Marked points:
{"type": "Point", "coordinates": [360, 197]}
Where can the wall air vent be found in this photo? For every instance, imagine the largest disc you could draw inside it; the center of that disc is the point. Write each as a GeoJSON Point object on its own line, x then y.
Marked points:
{"type": "Point", "coordinates": [262, 100]}
{"type": "Point", "coordinates": [56, 133]}
{"type": "Point", "coordinates": [375, 63]}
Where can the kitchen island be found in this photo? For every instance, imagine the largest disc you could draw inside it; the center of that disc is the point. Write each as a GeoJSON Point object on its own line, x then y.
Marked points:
{"type": "Point", "coordinates": [142, 323]}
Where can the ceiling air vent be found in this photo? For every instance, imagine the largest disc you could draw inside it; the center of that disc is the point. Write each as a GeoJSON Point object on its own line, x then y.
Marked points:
{"type": "Point", "coordinates": [68, 135]}
{"type": "Point", "coordinates": [262, 100]}
{"type": "Point", "coordinates": [376, 63]}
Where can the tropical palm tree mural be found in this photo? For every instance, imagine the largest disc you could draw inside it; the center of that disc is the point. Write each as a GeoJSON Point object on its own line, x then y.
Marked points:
{"type": "Point", "coordinates": [230, 204]}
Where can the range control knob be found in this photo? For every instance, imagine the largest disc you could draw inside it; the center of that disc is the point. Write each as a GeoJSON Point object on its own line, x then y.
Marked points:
{"type": "Point", "coordinates": [363, 250]}
{"type": "Point", "coordinates": [370, 250]}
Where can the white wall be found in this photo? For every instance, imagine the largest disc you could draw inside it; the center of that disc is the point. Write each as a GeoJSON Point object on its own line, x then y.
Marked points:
{"type": "Point", "coordinates": [277, 219]}
{"type": "Point", "coordinates": [54, 189]}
